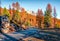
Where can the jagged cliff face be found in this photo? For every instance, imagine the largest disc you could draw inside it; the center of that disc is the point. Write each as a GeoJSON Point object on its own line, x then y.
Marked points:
{"type": "Point", "coordinates": [5, 26]}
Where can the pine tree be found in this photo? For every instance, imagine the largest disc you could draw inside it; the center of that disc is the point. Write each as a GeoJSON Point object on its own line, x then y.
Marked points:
{"type": "Point", "coordinates": [17, 16]}
{"type": "Point", "coordinates": [47, 16]}
{"type": "Point", "coordinates": [54, 14]}
{"type": "Point", "coordinates": [27, 23]}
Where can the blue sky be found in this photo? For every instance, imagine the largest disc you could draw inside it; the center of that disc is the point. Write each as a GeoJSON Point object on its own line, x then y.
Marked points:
{"type": "Point", "coordinates": [34, 5]}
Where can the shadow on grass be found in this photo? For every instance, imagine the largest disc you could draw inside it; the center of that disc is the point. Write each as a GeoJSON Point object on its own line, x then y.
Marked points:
{"type": "Point", "coordinates": [10, 38]}
{"type": "Point", "coordinates": [35, 34]}
{"type": "Point", "coordinates": [45, 37]}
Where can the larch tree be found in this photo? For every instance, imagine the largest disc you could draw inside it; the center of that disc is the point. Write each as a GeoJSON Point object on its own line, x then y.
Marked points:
{"type": "Point", "coordinates": [17, 6]}
{"type": "Point", "coordinates": [39, 18]}
{"type": "Point", "coordinates": [6, 12]}
{"type": "Point", "coordinates": [10, 11]}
